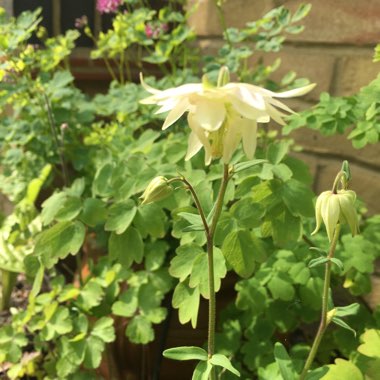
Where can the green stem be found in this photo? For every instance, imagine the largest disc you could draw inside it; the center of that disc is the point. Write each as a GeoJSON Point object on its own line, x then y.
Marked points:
{"type": "Point", "coordinates": [222, 21]}
{"type": "Point", "coordinates": [8, 280]}
{"type": "Point", "coordinates": [197, 204]}
{"type": "Point", "coordinates": [325, 298]}
{"type": "Point", "coordinates": [211, 279]}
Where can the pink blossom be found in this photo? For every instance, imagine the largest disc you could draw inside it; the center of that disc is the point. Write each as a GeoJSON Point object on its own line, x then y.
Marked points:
{"type": "Point", "coordinates": [108, 6]}
{"type": "Point", "coordinates": [148, 31]}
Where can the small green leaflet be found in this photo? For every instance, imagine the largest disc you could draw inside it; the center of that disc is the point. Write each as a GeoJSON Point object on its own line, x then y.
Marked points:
{"type": "Point", "coordinates": [186, 353]}
{"type": "Point", "coordinates": [284, 362]}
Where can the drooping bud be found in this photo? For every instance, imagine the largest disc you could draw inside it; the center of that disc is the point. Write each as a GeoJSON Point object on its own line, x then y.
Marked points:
{"type": "Point", "coordinates": [333, 208]}
{"type": "Point", "coordinates": [158, 188]}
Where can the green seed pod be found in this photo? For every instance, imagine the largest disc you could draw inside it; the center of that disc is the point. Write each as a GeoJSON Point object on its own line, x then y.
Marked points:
{"type": "Point", "coordinates": [332, 208]}
{"type": "Point", "coordinates": [158, 188]}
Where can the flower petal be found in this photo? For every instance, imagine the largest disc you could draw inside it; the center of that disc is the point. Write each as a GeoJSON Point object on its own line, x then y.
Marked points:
{"type": "Point", "coordinates": [294, 92]}
{"type": "Point", "coordinates": [193, 145]}
{"type": "Point", "coordinates": [331, 215]}
{"type": "Point", "coordinates": [176, 113]}
{"type": "Point", "coordinates": [349, 213]}
{"type": "Point", "coordinates": [248, 111]}
{"type": "Point", "coordinates": [249, 95]}
{"type": "Point", "coordinates": [210, 114]}
{"type": "Point", "coordinates": [202, 137]}
{"type": "Point", "coordinates": [231, 139]}
{"type": "Point", "coordinates": [249, 134]}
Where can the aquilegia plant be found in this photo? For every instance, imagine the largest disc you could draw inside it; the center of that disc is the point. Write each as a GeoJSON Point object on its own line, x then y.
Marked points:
{"type": "Point", "coordinates": [333, 207]}
{"type": "Point", "coordinates": [219, 118]}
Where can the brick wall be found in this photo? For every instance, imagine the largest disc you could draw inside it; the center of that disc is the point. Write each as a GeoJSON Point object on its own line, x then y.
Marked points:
{"type": "Point", "coordinates": [335, 51]}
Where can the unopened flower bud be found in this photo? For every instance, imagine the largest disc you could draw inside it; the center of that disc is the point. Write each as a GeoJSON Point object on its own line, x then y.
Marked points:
{"type": "Point", "coordinates": [333, 208]}
{"type": "Point", "coordinates": [159, 188]}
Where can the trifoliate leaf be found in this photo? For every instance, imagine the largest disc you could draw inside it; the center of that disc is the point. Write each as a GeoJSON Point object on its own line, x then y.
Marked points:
{"type": "Point", "coordinates": [94, 212]}
{"type": "Point", "coordinates": [127, 247]}
{"type": "Point", "coordinates": [371, 343]}
{"type": "Point", "coordinates": [239, 251]}
{"type": "Point", "coordinates": [186, 300]}
{"type": "Point", "coordinates": [139, 330]}
{"type": "Point", "coordinates": [120, 216]}
{"type": "Point", "coordinates": [199, 272]}
{"type": "Point", "coordinates": [59, 241]}
{"type": "Point", "coordinates": [281, 287]}
{"type": "Point", "coordinates": [343, 369]}
{"type": "Point", "coordinates": [104, 330]}
{"type": "Point", "coordinates": [182, 264]}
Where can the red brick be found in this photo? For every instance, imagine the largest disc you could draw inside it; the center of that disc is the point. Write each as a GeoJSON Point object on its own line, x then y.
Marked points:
{"type": "Point", "coordinates": [237, 13]}
{"type": "Point", "coordinates": [339, 21]}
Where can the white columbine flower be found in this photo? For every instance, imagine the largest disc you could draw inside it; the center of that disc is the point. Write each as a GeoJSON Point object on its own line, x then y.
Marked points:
{"type": "Point", "coordinates": [333, 208]}
{"type": "Point", "coordinates": [220, 117]}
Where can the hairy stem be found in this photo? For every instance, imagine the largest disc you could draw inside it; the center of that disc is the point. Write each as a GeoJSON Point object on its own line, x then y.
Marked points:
{"type": "Point", "coordinates": [211, 279]}
{"type": "Point", "coordinates": [325, 298]}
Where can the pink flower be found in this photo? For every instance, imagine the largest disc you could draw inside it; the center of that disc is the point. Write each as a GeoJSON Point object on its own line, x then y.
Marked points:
{"type": "Point", "coordinates": [108, 6]}
{"type": "Point", "coordinates": [148, 31]}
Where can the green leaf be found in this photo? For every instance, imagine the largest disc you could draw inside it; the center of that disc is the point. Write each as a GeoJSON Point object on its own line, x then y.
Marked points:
{"type": "Point", "coordinates": [186, 300]}
{"type": "Point", "coordinates": [287, 228]}
{"type": "Point", "coordinates": [120, 216]}
{"type": "Point", "coordinates": [223, 361]}
{"type": "Point", "coordinates": [371, 343]}
{"type": "Point", "coordinates": [284, 362]}
{"type": "Point", "coordinates": [104, 330]}
{"type": "Point", "coordinates": [57, 242]}
{"type": "Point", "coordinates": [238, 249]}
{"type": "Point", "coordinates": [181, 265]}
{"type": "Point", "coordinates": [282, 172]}
{"type": "Point", "coordinates": [186, 353]}
{"type": "Point", "coordinates": [343, 369]}
{"type": "Point", "coordinates": [246, 165]}
{"type": "Point", "coordinates": [127, 305]}
{"type": "Point", "coordinates": [70, 209]}
{"type": "Point", "coordinates": [318, 261]}
{"type": "Point", "coordinates": [139, 330]}
{"type": "Point", "coordinates": [199, 272]}
{"type": "Point", "coordinates": [60, 323]}
{"type": "Point", "coordinates": [281, 287]}
{"type": "Point", "coordinates": [37, 283]}
{"type": "Point", "coordinates": [151, 219]}
{"type": "Point", "coordinates": [247, 213]}
{"type": "Point", "coordinates": [127, 247]}
{"type": "Point", "coordinates": [298, 198]}
{"type": "Point", "coordinates": [94, 348]}
{"type": "Point", "coordinates": [102, 181]}
{"type": "Point", "coordinates": [344, 311]}
{"type": "Point", "coordinates": [202, 371]}
{"type": "Point", "coordinates": [94, 212]}
{"type": "Point", "coordinates": [337, 262]}
{"type": "Point", "coordinates": [90, 295]}
{"type": "Point", "coordinates": [191, 218]}
{"type": "Point", "coordinates": [343, 324]}
{"type": "Point", "coordinates": [302, 11]}
{"type": "Point", "coordinates": [51, 206]}
{"type": "Point", "coordinates": [277, 151]}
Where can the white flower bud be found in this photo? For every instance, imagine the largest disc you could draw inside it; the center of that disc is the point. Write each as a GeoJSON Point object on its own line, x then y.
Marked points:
{"type": "Point", "coordinates": [158, 188]}
{"type": "Point", "coordinates": [332, 208]}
